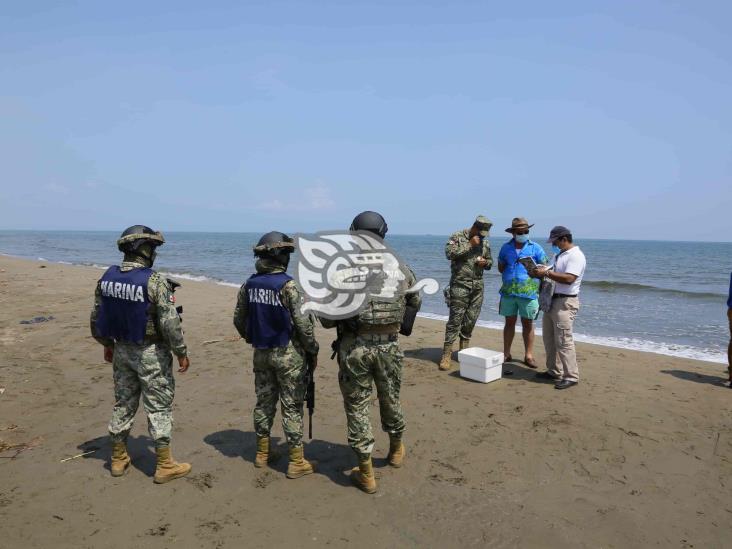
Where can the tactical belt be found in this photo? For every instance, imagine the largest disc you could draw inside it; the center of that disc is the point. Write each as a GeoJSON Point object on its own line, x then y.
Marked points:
{"type": "Point", "coordinates": [378, 329]}
{"type": "Point", "coordinates": [150, 339]}
{"type": "Point", "coordinates": [378, 338]}
{"type": "Point", "coordinates": [147, 340]}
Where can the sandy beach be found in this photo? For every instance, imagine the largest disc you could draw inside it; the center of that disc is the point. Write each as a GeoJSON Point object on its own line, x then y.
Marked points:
{"type": "Point", "coordinates": [638, 455]}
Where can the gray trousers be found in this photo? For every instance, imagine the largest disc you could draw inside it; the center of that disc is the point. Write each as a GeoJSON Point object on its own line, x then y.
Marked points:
{"type": "Point", "coordinates": [561, 358]}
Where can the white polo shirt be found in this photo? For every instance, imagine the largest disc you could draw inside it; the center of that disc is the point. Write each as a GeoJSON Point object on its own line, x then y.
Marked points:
{"type": "Point", "coordinates": [573, 262]}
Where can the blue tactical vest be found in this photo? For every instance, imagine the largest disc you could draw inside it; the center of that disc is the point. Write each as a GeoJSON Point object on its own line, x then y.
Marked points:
{"type": "Point", "coordinates": [269, 324]}
{"type": "Point", "coordinates": [123, 311]}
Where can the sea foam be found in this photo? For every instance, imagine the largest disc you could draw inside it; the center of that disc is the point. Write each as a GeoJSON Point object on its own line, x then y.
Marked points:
{"type": "Point", "coordinates": [628, 343]}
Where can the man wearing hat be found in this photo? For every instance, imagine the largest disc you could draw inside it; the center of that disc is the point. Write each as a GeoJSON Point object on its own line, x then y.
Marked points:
{"type": "Point", "coordinates": [469, 253]}
{"type": "Point", "coordinates": [519, 291]}
{"type": "Point", "coordinates": [567, 272]}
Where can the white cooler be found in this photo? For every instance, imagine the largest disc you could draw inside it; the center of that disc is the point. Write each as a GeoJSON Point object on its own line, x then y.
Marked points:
{"type": "Point", "coordinates": [480, 364]}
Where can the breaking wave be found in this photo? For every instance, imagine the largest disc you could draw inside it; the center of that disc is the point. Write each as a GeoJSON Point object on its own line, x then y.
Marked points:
{"type": "Point", "coordinates": [632, 287]}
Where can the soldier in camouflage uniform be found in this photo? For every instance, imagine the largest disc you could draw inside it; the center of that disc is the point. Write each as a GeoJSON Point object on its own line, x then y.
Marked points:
{"type": "Point", "coordinates": [135, 319]}
{"type": "Point", "coordinates": [368, 353]}
{"type": "Point", "coordinates": [470, 255]}
{"type": "Point", "coordinates": [268, 316]}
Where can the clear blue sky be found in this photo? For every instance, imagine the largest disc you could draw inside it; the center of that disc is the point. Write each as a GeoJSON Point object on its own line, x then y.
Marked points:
{"type": "Point", "coordinates": [614, 118]}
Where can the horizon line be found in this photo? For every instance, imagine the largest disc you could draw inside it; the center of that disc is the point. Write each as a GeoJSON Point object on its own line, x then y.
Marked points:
{"type": "Point", "coordinates": [393, 234]}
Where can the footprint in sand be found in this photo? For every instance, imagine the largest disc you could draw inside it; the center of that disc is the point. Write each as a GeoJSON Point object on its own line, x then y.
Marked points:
{"type": "Point", "coordinates": [202, 481]}
{"type": "Point", "coordinates": [456, 477]}
{"type": "Point", "coordinates": [264, 479]}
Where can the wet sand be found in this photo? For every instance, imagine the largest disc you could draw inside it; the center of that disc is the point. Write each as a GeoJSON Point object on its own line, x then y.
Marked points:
{"type": "Point", "coordinates": [639, 454]}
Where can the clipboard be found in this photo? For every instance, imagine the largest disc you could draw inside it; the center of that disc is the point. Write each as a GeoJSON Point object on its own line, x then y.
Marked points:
{"type": "Point", "coordinates": [528, 263]}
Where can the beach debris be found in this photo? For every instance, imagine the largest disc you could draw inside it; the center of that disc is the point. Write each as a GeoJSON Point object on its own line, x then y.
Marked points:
{"type": "Point", "coordinates": [79, 455]}
{"type": "Point", "coordinates": [159, 531]}
{"type": "Point", "coordinates": [634, 434]}
{"type": "Point", "coordinates": [37, 320]}
{"type": "Point", "coordinates": [210, 341]}
{"type": "Point", "coordinates": [41, 266]}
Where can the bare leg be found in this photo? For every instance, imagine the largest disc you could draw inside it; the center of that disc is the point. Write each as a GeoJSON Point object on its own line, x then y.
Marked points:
{"type": "Point", "coordinates": [509, 330]}
{"type": "Point", "coordinates": [527, 325]}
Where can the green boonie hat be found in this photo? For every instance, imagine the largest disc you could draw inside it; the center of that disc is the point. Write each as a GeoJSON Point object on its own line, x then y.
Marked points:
{"type": "Point", "coordinates": [483, 224]}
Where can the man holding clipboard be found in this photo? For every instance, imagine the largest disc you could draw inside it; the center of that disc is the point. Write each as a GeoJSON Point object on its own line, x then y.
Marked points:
{"type": "Point", "coordinates": [519, 291]}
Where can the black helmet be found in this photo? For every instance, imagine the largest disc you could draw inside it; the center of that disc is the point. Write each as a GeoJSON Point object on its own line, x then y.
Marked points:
{"type": "Point", "coordinates": [137, 235]}
{"type": "Point", "coordinates": [275, 245]}
{"type": "Point", "coordinates": [370, 221]}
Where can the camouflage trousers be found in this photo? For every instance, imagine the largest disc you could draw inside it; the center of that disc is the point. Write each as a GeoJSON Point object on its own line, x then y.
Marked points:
{"type": "Point", "coordinates": [279, 374]}
{"type": "Point", "coordinates": [363, 362]}
{"type": "Point", "coordinates": [147, 371]}
{"type": "Point", "coordinates": [465, 305]}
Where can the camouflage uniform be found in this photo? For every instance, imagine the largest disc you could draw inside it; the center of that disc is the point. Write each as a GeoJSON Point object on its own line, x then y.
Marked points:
{"type": "Point", "coordinates": [466, 284]}
{"type": "Point", "coordinates": [279, 373]}
{"type": "Point", "coordinates": [145, 370]}
{"type": "Point", "coordinates": [368, 353]}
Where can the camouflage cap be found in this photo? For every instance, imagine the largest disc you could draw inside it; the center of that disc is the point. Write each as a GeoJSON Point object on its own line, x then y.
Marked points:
{"type": "Point", "coordinates": [483, 224]}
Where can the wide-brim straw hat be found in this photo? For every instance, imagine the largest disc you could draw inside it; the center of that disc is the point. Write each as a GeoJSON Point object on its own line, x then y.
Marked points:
{"type": "Point", "coordinates": [519, 223]}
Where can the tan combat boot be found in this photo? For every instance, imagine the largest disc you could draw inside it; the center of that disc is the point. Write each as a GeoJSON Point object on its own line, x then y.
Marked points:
{"type": "Point", "coordinates": [464, 343]}
{"type": "Point", "coordinates": [167, 468]}
{"type": "Point", "coordinates": [120, 459]}
{"type": "Point", "coordinates": [262, 457]}
{"type": "Point", "coordinates": [363, 476]}
{"type": "Point", "coordinates": [298, 466]}
{"type": "Point", "coordinates": [396, 452]}
{"type": "Point", "coordinates": [445, 361]}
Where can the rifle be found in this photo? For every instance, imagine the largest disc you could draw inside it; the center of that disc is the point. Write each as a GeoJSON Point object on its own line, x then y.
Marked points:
{"type": "Point", "coordinates": [310, 361]}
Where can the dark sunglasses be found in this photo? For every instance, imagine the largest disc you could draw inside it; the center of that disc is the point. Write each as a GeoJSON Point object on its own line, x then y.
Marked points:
{"type": "Point", "coordinates": [517, 233]}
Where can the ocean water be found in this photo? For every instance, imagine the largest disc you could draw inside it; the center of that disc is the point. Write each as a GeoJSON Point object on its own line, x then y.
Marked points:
{"type": "Point", "coordinates": [662, 297]}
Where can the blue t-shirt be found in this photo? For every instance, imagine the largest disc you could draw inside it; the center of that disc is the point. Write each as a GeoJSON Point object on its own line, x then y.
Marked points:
{"type": "Point", "coordinates": [516, 280]}
{"type": "Point", "coordinates": [729, 298]}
